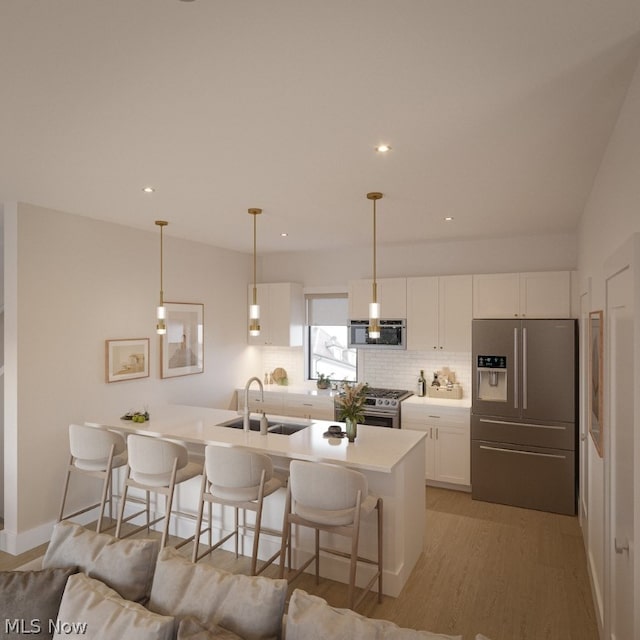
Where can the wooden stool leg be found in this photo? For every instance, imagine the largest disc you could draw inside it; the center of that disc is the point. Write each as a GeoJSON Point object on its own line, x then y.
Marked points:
{"type": "Point", "coordinates": [286, 534]}
{"type": "Point", "coordinates": [210, 524]}
{"type": "Point", "coordinates": [122, 503]}
{"type": "Point", "coordinates": [235, 523]}
{"type": "Point", "coordinates": [380, 547]}
{"type": "Point", "coordinates": [66, 489]}
{"type": "Point", "coordinates": [169, 504]}
{"type": "Point", "coordinates": [196, 540]}
{"type": "Point", "coordinates": [317, 556]}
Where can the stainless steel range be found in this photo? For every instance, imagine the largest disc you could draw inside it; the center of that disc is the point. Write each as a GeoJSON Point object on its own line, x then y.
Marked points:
{"type": "Point", "coordinates": [381, 407]}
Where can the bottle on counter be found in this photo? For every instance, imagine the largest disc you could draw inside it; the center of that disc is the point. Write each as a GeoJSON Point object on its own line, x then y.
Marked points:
{"type": "Point", "coordinates": [264, 425]}
{"type": "Point", "coordinates": [422, 384]}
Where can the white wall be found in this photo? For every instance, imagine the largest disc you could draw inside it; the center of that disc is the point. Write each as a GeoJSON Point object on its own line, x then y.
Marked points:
{"type": "Point", "coordinates": [612, 214]}
{"type": "Point", "coordinates": [77, 283]}
{"type": "Point", "coordinates": [321, 268]}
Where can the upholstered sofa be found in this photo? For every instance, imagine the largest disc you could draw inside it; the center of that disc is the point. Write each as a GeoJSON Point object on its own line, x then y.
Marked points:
{"type": "Point", "coordinates": [95, 586]}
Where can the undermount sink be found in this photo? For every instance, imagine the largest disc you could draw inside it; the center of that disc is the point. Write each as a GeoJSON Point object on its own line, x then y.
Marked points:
{"type": "Point", "coordinates": [282, 428]}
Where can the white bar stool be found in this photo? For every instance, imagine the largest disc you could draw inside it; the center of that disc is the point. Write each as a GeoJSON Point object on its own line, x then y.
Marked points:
{"type": "Point", "coordinates": [238, 479]}
{"type": "Point", "coordinates": [156, 465]}
{"type": "Point", "coordinates": [331, 498]}
{"type": "Point", "coordinates": [97, 453]}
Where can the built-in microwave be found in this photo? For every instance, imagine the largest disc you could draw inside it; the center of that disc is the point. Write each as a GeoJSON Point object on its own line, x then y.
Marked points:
{"type": "Point", "coordinates": [393, 335]}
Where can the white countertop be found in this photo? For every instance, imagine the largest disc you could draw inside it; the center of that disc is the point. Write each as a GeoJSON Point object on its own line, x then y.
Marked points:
{"type": "Point", "coordinates": [328, 393]}
{"type": "Point", "coordinates": [375, 449]}
{"type": "Point", "coordinates": [293, 389]}
{"type": "Point", "coordinates": [463, 403]}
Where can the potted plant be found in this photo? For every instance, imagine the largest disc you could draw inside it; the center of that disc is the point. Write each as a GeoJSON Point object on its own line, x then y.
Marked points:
{"type": "Point", "coordinates": [324, 381]}
{"type": "Point", "coordinates": [351, 407]}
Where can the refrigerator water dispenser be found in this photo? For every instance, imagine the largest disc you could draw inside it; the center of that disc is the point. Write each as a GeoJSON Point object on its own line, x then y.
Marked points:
{"type": "Point", "coordinates": [492, 378]}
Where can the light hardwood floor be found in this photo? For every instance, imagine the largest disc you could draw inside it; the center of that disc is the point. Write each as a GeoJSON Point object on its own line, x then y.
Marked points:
{"type": "Point", "coordinates": [509, 573]}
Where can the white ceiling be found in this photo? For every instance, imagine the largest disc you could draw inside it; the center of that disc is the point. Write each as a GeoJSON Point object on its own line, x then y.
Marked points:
{"type": "Point", "coordinates": [498, 112]}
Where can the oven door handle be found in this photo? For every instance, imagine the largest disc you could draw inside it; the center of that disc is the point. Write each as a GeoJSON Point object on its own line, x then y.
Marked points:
{"type": "Point", "coordinates": [379, 414]}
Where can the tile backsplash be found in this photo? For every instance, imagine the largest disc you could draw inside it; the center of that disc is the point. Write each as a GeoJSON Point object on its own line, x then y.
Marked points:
{"type": "Point", "coordinates": [393, 369]}
{"type": "Point", "coordinates": [291, 359]}
{"type": "Point", "coordinates": [400, 369]}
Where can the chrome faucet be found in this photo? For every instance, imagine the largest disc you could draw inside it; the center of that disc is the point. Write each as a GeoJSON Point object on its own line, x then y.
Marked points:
{"type": "Point", "coordinates": [245, 417]}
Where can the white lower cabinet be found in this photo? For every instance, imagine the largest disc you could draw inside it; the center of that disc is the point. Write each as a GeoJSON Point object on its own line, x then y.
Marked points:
{"type": "Point", "coordinates": [296, 405]}
{"type": "Point", "coordinates": [308, 406]}
{"type": "Point", "coordinates": [273, 403]}
{"type": "Point", "coordinates": [447, 445]}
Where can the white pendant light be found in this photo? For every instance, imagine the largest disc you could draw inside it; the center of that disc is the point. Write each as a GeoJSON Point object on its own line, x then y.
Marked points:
{"type": "Point", "coordinates": [161, 315]}
{"type": "Point", "coordinates": [374, 305]}
{"type": "Point", "coordinates": [254, 307]}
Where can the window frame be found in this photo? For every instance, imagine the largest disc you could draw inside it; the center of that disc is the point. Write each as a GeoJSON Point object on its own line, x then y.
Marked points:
{"type": "Point", "coordinates": [310, 371]}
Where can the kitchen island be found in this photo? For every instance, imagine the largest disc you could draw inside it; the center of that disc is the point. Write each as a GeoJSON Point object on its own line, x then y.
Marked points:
{"type": "Point", "coordinates": [391, 459]}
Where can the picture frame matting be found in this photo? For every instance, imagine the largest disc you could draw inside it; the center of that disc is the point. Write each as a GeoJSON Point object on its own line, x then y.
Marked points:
{"type": "Point", "coordinates": [126, 359]}
{"type": "Point", "coordinates": [182, 347]}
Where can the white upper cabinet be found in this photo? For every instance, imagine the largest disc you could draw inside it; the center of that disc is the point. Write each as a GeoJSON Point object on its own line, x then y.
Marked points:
{"type": "Point", "coordinates": [392, 296]}
{"type": "Point", "coordinates": [281, 314]}
{"type": "Point", "coordinates": [439, 313]}
{"type": "Point", "coordinates": [544, 294]}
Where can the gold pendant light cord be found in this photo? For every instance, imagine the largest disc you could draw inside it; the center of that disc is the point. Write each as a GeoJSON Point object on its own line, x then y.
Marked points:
{"type": "Point", "coordinates": [161, 268]}
{"type": "Point", "coordinates": [374, 195]}
{"type": "Point", "coordinates": [254, 261]}
{"type": "Point", "coordinates": [255, 212]}
{"type": "Point", "coordinates": [375, 284]}
{"type": "Point", "coordinates": [162, 224]}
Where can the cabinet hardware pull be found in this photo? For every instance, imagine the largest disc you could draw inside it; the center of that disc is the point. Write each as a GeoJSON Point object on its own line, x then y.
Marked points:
{"type": "Point", "coordinates": [431, 433]}
{"type": "Point", "coordinates": [438, 417]}
{"type": "Point", "coordinates": [620, 548]}
{"type": "Point", "coordinates": [515, 367]}
{"type": "Point", "coordinates": [524, 453]}
{"type": "Point", "coordinates": [524, 424]}
{"type": "Point", "coordinates": [524, 369]}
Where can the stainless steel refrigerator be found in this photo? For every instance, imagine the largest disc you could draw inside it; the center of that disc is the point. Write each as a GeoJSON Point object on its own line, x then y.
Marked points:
{"type": "Point", "coordinates": [523, 416]}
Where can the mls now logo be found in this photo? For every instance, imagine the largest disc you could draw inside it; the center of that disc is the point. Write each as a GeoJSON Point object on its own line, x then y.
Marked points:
{"type": "Point", "coordinates": [67, 628]}
{"type": "Point", "coordinates": [20, 626]}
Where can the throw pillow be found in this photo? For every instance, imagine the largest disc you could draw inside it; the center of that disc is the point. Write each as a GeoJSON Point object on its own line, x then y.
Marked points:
{"type": "Point", "coordinates": [124, 565]}
{"type": "Point", "coordinates": [29, 601]}
{"type": "Point", "coordinates": [190, 629]}
{"type": "Point", "coordinates": [90, 609]}
{"type": "Point", "coordinates": [251, 607]}
{"type": "Point", "coordinates": [311, 618]}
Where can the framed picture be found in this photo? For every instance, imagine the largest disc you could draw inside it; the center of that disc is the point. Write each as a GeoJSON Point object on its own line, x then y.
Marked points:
{"type": "Point", "coordinates": [182, 347]}
{"type": "Point", "coordinates": [596, 379]}
{"type": "Point", "coordinates": [127, 359]}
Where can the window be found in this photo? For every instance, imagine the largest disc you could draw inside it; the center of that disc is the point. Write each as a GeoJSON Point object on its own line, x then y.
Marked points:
{"type": "Point", "coordinates": [327, 338]}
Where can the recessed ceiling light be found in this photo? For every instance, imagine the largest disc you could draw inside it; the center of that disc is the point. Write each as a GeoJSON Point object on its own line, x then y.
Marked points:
{"type": "Point", "coordinates": [284, 235]}
{"type": "Point", "coordinates": [448, 219]}
{"type": "Point", "coordinates": [148, 189]}
{"type": "Point", "coordinates": [383, 148]}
